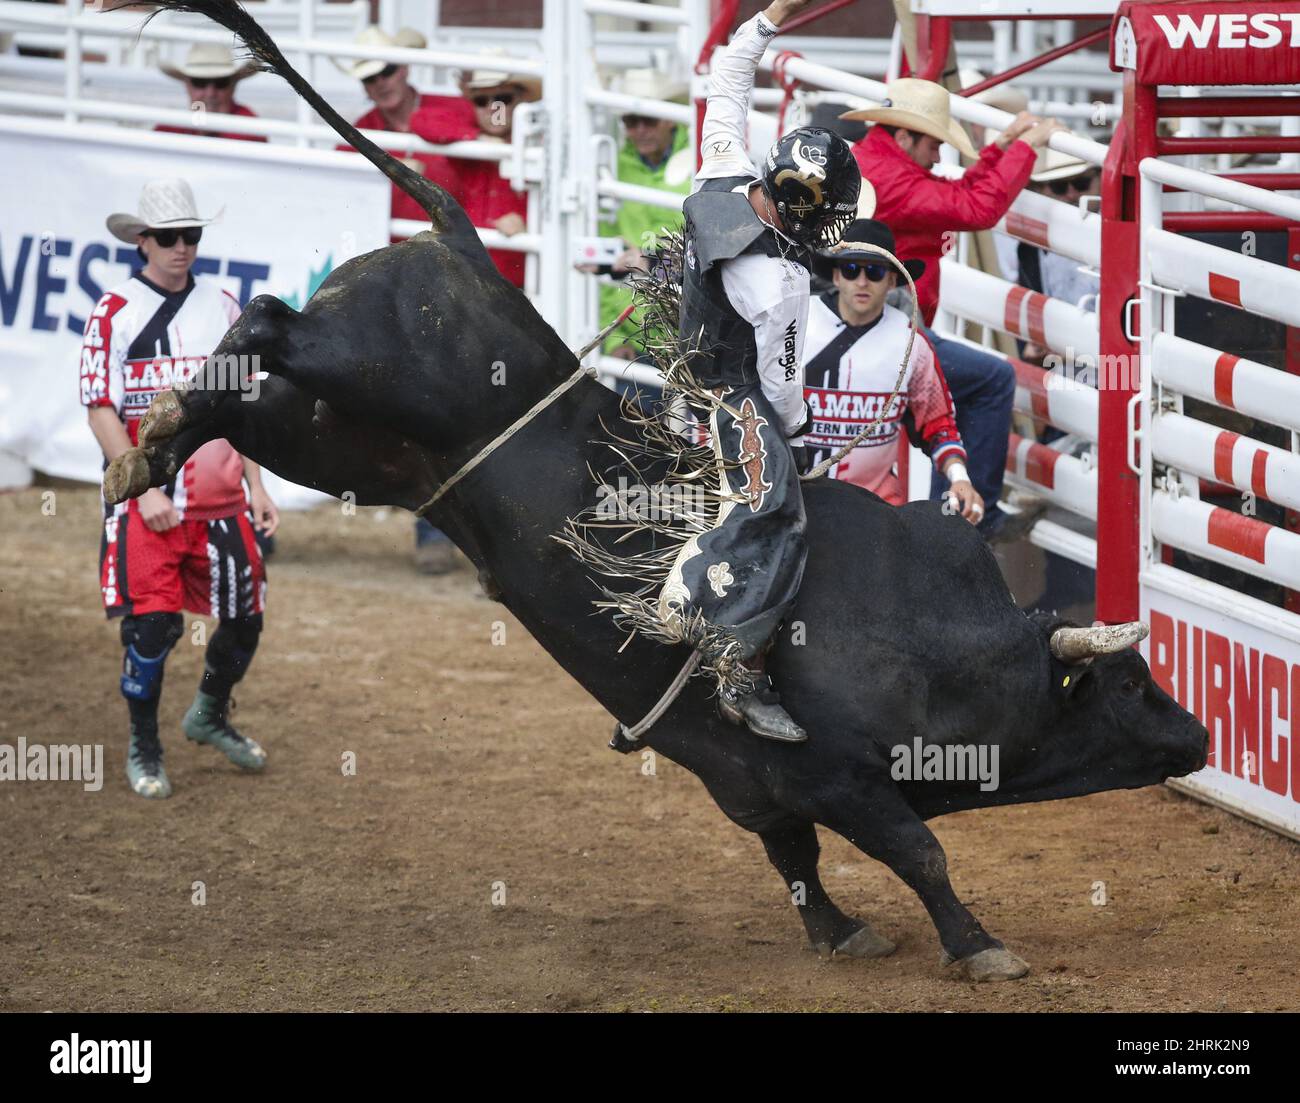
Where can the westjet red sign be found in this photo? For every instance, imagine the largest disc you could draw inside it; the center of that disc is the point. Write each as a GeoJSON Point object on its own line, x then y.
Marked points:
{"type": "Point", "coordinates": [1208, 43]}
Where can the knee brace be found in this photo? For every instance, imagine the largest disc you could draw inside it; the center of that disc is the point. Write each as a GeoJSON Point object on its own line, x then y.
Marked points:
{"type": "Point", "coordinates": [232, 646]}
{"type": "Point", "coordinates": [147, 640]}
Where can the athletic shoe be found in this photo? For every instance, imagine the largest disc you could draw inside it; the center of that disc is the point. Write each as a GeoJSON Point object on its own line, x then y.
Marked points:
{"type": "Point", "coordinates": [208, 721]}
{"type": "Point", "coordinates": [144, 768]}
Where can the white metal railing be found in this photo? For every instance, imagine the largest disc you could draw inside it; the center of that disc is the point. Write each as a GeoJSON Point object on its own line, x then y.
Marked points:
{"type": "Point", "coordinates": [1233, 382]}
{"type": "Point", "coordinates": [1062, 228]}
{"type": "Point", "coordinates": [1057, 476]}
{"type": "Point", "coordinates": [1173, 266]}
{"type": "Point", "coordinates": [1222, 456]}
{"type": "Point", "coordinates": [968, 110]}
{"type": "Point", "coordinates": [999, 304]}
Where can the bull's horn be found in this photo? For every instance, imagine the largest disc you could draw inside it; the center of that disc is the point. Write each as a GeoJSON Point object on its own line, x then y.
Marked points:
{"type": "Point", "coordinates": [1072, 645]}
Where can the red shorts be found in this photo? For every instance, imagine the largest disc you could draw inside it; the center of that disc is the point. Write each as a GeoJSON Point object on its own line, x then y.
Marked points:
{"type": "Point", "coordinates": [209, 567]}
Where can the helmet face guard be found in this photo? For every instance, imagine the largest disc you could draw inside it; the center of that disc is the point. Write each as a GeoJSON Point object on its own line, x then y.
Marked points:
{"type": "Point", "coordinates": [813, 182]}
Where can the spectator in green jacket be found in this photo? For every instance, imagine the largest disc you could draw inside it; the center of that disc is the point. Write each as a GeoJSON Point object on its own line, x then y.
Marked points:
{"type": "Point", "coordinates": [656, 153]}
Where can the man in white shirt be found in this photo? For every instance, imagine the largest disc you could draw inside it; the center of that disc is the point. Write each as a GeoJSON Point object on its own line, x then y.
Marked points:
{"type": "Point", "coordinates": [855, 347]}
{"type": "Point", "coordinates": [744, 309]}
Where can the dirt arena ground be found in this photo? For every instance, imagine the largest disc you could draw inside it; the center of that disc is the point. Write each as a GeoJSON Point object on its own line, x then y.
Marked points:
{"type": "Point", "coordinates": [482, 765]}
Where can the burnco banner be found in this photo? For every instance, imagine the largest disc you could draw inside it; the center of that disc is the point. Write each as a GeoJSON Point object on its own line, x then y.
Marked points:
{"type": "Point", "coordinates": [288, 218]}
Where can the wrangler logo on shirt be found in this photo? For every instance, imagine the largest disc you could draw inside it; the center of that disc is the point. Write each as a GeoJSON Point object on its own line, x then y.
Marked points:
{"type": "Point", "coordinates": [789, 360]}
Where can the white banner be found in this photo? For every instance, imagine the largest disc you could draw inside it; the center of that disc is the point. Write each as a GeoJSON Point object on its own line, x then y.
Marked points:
{"type": "Point", "coordinates": [290, 217]}
{"type": "Point", "coordinates": [1242, 682]}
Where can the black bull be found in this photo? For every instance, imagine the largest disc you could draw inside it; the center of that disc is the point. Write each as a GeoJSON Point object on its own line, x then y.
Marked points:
{"type": "Point", "coordinates": [390, 378]}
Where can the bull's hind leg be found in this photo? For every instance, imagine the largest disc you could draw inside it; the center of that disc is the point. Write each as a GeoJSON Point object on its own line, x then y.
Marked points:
{"type": "Point", "coordinates": [793, 849]}
{"type": "Point", "coordinates": [279, 430]}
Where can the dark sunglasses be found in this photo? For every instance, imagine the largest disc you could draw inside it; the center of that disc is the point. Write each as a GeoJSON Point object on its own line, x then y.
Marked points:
{"type": "Point", "coordinates": [505, 99]}
{"type": "Point", "coordinates": [1077, 183]}
{"type": "Point", "coordinates": [631, 122]}
{"type": "Point", "coordinates": [211, 82]}
{"type": "Point", "coordinates": [167, 238]}
{"type": "Point", "coordinates": [851, 269]}
{"type": "Point", "coordinates": [383, 74]}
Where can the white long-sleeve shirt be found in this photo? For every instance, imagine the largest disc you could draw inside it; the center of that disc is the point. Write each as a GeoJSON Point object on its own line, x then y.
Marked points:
{"type": "Point", "coordinates": [771, 293]}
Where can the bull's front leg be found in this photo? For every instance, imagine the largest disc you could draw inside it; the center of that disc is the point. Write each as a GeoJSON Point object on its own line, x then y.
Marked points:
{"type": "Point", "coordinates": [793, 848]}
{"type": "Point", "coordinates": [882, 824]}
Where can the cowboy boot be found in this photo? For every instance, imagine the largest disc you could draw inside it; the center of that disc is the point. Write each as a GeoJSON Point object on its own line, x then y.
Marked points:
{"type": "Point", "coordinates": [760, 710]}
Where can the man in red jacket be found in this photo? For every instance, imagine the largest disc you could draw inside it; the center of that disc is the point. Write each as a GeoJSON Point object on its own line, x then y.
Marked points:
{"type": "Point", "coordinates": [491, 96]}
{"type": "Point", "coordinates": [389, 88]}
{"type": "Point", "coordinates": [925, 212]}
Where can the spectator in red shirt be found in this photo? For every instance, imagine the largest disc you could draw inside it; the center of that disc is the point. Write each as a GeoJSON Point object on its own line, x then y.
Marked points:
{"type": "Point", "coordinates": [389, 88]}
{"type": "Point", "coordinates": [488, 198]}
{"type": "Point", "coordinates": [210, 74]}
{"type": "Point", "coordinates": [925, 212]}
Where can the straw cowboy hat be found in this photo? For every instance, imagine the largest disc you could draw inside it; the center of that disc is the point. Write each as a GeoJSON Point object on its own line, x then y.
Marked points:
{"type": "Point", "coordinates": [209, 61]}
{"type": "Point", "coordinates": [651, 84]}
{"type": "Point", "coordinates": [919, 105]}
{"type": "Point", "coordinates": [1004, 97]}
{"type": "Point", "coordinates": [406, 38]}
{"type": "Point", "coordinates": [164, 205]}
{"type": "Point", "coordinates": [485, 77]}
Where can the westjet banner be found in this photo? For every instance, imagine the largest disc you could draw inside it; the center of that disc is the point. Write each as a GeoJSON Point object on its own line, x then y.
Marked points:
{"type": "Point", "coordinates": [289, 218]}
{"type": "Point", "coordinates": [1246, 42]}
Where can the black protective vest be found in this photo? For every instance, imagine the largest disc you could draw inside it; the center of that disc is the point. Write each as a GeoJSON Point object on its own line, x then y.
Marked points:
{"type": "Point", "coordinates": [720, 225]}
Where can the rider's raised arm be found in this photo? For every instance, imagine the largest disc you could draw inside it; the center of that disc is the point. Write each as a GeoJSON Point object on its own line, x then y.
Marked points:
{"type": "Point", "coordinates": [731, 81]}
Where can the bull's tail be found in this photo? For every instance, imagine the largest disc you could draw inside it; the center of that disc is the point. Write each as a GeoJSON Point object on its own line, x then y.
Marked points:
{"type": "Point", "coordinates": [444, 212]}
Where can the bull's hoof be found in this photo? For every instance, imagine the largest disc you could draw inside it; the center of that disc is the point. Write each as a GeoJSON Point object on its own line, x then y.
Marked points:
{"type": "Point", "coordinates": [865, 943]}
{"type": "Point", "coordinates": [163, 420]}
{"type": "Point", "coordinates": [126, 477]}
{"type": "Point", "coordinates": [995, 963]}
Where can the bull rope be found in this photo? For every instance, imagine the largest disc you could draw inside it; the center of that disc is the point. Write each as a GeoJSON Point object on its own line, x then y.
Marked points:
{"type": "Point", "coordinates": [633, 733]}
{"type": "Point", "coordinates": [528, 416]}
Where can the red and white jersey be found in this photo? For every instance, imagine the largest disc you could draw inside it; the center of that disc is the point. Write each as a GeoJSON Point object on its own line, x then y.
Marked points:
{"type": "Point", "coordinates": [849, 374]}
{"type": "Point", "coordinates": [141, 340]}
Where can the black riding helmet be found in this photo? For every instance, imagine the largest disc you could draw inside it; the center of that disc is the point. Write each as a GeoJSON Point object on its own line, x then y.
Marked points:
{"type": "Point", "coordinates": [813, 182]}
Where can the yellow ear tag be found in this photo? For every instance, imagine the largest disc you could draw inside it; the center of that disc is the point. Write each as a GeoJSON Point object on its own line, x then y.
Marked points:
{"type": "Point", "coordinates": [1066, 682]}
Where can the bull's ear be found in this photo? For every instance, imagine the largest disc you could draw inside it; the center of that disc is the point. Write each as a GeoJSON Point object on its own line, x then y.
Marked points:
{"type": "Point", "coordinates": [1076, 683]}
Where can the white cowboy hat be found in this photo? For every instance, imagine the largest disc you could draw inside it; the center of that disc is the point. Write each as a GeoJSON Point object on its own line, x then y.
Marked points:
{"type": "Point", "coordinates": [919, 105]}
{"type": "Point", "coordinates": [364, 68]}
{"type": "Point", "coordinates": [209, 61]}
{"type": "Point", "coordinates": [1053, 165]}
{"type": "Point", "coordinates": [409, 39]}
{"type": "Point", "coordinates": [483, 78]}
{"type": "Point", "coordinates": [164, 205]}
{"type": "Point", "coordinates": [1004, 97]}
{"type": "Point", "coordinates": [651, 84]}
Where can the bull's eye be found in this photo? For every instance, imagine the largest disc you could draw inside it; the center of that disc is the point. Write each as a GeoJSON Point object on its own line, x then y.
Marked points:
{"type": "Point", "coordinates": [1131, 686]}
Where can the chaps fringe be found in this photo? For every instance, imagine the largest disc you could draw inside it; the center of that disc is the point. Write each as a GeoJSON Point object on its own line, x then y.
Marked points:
{"type": "Point", "coordinates": [687, 476]}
